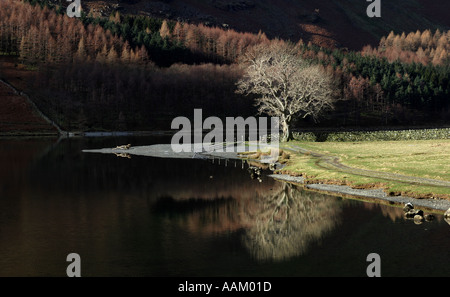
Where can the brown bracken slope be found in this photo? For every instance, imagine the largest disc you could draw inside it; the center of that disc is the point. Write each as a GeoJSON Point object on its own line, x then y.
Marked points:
{"type": "Point", "coordinates": [17, 115]}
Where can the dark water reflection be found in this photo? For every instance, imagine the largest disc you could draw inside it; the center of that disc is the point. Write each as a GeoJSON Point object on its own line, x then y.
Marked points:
{"type": "Point", "coordinates": [162, 217]}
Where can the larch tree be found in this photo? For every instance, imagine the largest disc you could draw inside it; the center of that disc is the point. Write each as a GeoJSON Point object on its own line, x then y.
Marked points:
{"type": "Point", "coordinates": [178, 32]}
{"type": "Point", "coordinates": [164, 31]}
{"type": "Point", "coordinates": [112, 56]}
{"type": "Point", "coordinates": [81, 54]}
{"type": "Point", "coordinates": [286, 86]}
{"type": "Point", "coordinates": [101, 56]}
{"type": "Point", "coordinates": [24, 50]}
{"type": "Point", "coordinates": [192, 37]}
{"type": "Point", "coordinates": [125, 56]}
{"type": "Point", "coordinates": [426, 39]}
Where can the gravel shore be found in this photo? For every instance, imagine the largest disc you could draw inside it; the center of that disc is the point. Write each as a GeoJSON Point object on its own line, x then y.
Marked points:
{"type": "Point", "coordinates": [368, 194]}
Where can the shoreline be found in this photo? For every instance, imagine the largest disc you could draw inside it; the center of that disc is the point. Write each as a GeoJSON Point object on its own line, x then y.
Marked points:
{"type": "Point", "coordinates": [368, 195]}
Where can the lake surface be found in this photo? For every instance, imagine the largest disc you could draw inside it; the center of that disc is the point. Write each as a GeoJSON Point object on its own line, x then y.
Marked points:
{"type": "Point", "coordinates": [169, 217]}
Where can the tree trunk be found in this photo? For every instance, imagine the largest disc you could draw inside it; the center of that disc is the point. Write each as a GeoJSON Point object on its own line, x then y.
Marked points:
{"type": "Point", "coordinates": [286, 131]}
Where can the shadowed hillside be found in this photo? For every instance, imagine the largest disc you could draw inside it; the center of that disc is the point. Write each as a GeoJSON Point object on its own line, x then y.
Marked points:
{"type": "Point", "coordinates": [323, 22]}
{"type": "Point", "coordinates": [140, 72]}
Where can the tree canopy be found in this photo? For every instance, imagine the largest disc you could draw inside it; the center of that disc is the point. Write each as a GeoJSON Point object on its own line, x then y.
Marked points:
{"type": "Point", "coordinates": [286, 85]}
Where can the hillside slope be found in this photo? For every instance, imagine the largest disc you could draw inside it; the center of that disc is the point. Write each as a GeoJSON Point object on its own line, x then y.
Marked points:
{"type": "Point", "coordinates": [326, 23]}
{"type": "Point", "coordinates": [18, 116]}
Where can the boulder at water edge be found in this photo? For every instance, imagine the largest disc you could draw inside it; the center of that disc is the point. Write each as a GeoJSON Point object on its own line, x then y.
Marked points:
{"type": "Point", "coordinates": [413, 212]}
{"type": "Point", "coordinates": [408, 206]}
{"type": "Point", "coordinates": [447, 213]}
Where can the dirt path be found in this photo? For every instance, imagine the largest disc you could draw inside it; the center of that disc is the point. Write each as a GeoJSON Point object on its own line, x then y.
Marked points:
{"type": "Point", "coordinates": [333, 163]}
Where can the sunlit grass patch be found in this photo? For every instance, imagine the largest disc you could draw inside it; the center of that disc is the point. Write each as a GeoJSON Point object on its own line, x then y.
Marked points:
{"type": "Point", "coordinates": [419, 158]}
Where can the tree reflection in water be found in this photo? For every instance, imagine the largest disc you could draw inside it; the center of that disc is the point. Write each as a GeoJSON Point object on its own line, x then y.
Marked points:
{"type": "Point", "coordinates": [278, 225]}
{"type": "Point", "coordinates": [285, 223]}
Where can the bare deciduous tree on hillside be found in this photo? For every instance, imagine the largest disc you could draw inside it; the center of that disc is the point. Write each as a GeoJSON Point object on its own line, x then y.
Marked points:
{"type": "Point", "coordinates": [286, 85]}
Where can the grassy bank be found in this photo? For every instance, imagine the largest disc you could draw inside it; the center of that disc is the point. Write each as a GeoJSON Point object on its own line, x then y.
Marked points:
{"type": "Point", "coordinates": [422, 159]}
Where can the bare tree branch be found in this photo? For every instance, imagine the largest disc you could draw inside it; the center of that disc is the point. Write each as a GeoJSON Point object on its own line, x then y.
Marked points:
{"type": "Point", "coordinates": [287, 86]}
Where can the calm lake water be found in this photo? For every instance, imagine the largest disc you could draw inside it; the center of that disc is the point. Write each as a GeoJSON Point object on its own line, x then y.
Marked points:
{"type": "Point", "coordinates": [165, 217]}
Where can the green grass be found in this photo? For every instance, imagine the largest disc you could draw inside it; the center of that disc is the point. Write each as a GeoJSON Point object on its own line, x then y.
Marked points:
{"type": "Point", "coordinates": [419, 158]}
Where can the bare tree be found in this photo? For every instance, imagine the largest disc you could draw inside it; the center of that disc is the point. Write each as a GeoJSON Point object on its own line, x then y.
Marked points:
{"type": "Point", "coordinates": [287, 85]}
